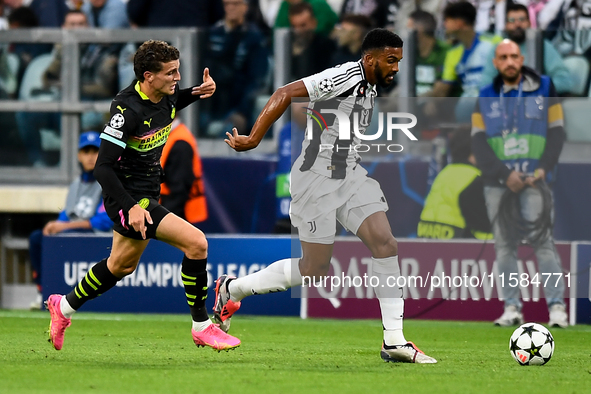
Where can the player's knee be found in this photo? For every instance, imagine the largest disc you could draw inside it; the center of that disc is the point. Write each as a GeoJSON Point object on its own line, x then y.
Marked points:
{"type": "Point", "coordinates": [121, 268]}
{"type": "Point", "coordinates": [124, 271]}
{"type": "Point", "coordinates": [197, 248]}
{"type": "Point", "coordinates": [393, 246]}
{"type": "Point", "coordinates": [385, 247]}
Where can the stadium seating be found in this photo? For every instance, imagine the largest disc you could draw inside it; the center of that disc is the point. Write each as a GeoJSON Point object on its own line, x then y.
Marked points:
{"type": "Point", "coordinates": [32, 83]}
{"type": "Point", "coordinates": [579, 70]}
{"type": "Point", "coordinates": [576, 119]}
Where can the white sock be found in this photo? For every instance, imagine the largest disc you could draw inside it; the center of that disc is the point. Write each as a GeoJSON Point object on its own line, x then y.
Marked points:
{"type": "Point", "coordinates": [278, 276]}
{"type": "Point", "coordinates": [201, 325]}
{"type": "Point", "coordinates": [394, 337]}
{"type": "Point", "coordinates": [390, 297]}
{"type": "Point", "coordinates": [66, 309]}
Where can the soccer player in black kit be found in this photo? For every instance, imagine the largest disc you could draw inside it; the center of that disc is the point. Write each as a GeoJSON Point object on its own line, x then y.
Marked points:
{"type": "Point", "coordinates": [128, 169]}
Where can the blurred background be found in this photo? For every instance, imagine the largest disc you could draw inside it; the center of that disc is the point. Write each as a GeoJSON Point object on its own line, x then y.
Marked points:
{"type": "Point", "coordinates": [62, 62]}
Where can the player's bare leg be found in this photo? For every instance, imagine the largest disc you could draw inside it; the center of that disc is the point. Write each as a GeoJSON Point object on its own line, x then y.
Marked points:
{"type": "Point", "coordinates": [278, 276]}
{"type": "Point", "coordinates": [186, 237]}
{"type": "Point", "coordinates": [125, 255]}
{"type": "Point", "coordinates": [376, 235]}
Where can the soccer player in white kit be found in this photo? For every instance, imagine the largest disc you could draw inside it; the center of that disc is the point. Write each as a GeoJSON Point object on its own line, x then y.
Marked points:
{"type": "Point", "coordinates": [327, 184]}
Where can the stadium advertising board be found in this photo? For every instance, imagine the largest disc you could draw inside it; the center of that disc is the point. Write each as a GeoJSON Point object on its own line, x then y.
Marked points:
{"type": "Point", "coordinates": [155, 286]}
{"type": "Point", "coordinates": [583, 283]}
{"type": "Point", "coordinates": [451, 280]}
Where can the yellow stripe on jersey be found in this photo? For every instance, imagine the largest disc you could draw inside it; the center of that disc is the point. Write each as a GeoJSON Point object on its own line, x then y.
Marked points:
{"type": "Point", "coordinates": [555, 113]}
{"type": "Point", "coordinates": [452, 58]}
{"type": "Point", "coordinates": [142, 94]}
{"type": "Point", "coordinates": [477, 121]}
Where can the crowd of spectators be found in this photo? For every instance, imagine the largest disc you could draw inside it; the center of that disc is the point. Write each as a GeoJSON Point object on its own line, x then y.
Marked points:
{"type": "Point", "coordinates": [453, 57]}
{"type": "Point", "coordinates": [455, 45]}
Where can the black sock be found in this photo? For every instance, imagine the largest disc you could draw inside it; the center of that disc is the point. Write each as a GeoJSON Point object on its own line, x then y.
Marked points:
{"type": "Point", "coordinates": [97, 281]}
{"type": "Point", "coordinates": [194, 276]}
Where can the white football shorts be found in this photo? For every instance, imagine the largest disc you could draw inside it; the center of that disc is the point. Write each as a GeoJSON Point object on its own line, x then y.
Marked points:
{"type": "Point", "coordinates": [318, 202]}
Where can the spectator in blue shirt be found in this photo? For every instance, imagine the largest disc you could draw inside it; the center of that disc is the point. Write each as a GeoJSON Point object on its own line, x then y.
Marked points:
{"type": "Point", "coordinates": [106, 14]}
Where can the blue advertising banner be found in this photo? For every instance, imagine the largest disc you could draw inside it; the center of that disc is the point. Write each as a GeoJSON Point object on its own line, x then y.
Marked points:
{"type": "Point", "coordinates": [583, 282]}
{"type": "Point", "coordinates": [155, 286]}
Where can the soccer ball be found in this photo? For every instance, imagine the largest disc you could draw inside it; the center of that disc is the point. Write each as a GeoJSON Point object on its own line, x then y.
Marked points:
{"type": "Point", "coordinates": [531, 344]}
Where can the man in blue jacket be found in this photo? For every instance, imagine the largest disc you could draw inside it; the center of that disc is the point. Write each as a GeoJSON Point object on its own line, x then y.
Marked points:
{"type": "Point", "coordinates": [517, 137]}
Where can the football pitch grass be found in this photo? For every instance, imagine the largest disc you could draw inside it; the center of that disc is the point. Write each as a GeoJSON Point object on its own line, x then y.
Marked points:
{"type": "Point", "coordinates": [132, 353]}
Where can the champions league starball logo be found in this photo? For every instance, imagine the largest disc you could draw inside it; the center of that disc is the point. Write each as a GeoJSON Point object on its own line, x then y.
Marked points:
{"type": "Point", "coordinates": [391, 120]}
{"type": "Point", "coordinates": [117, 121]}
{"type": "Point", "coordinates": [326, 85]}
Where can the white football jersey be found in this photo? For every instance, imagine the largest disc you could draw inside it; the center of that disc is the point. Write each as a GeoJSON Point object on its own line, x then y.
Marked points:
{"type": "Point", "coordinates": [343, 88]}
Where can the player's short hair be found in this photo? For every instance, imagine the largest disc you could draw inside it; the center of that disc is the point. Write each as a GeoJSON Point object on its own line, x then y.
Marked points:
{"type": "Point", "coordinates": [150, 56]}
{"type": "Point", "coordinates": [461, 10]}
{"type": "Point", "coordinates": [460, 144]}
{"type": "Point", "coordinates": [426, 20]}
{"type": "Point", "coordinates": [513, 7]}
{"type": "Point", "coordinates": [379, 39]}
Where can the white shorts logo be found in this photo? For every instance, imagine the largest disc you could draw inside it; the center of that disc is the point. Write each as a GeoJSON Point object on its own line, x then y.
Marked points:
{"type": "Point", "coordinates": [117, 121]}
{"type": "Point", "coordinates": [111, 131]}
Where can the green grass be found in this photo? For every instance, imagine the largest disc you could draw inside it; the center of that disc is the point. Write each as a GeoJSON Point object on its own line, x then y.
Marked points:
{"type": "Point", "coordinates": [124, 353]}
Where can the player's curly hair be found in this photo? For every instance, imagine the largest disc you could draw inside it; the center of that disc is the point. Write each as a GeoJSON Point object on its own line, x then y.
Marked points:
{"type": "Point", "coordinates": [380, 39]}
{"type": "Point", "coordinates": [150, 56]}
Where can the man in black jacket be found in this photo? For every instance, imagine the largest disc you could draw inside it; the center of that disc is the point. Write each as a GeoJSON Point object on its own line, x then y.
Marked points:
{"type": "Point", "coordinates": [128, 169]}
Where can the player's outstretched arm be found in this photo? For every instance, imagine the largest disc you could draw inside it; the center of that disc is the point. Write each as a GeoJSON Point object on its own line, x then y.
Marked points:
{"type": "Point", "coordinates": [274, 108]}
{"type": "Point", "coordinates": [207, 88]}
{"type": "Point", "coordinates": [190, 95]}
